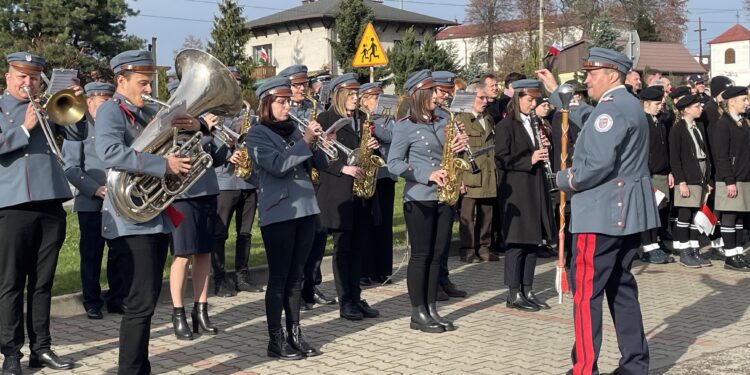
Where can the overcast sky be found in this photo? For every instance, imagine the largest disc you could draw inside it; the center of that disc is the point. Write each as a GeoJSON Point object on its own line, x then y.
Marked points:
{"type": "Point", "coordinates": [171, 20]}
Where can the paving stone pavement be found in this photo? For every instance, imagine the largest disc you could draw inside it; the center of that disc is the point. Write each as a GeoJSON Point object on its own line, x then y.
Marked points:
{"type": "Point", "coordinates": [691, 317]}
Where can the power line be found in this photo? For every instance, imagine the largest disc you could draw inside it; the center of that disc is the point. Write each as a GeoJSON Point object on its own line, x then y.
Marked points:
{"type": "Point", "coordinates": [173, 18]}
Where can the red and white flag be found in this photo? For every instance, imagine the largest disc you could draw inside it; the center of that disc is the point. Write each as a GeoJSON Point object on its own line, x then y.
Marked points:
{"type": "Point", "coordinates": [555, 49]}
{"type": "Point", "coordinates": [705, 220]}
{"type": "Point", "coordinates": [263, 54]}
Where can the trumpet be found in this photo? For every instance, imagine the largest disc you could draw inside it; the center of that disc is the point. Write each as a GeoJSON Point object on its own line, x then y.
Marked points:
{"type": "Point", "coordinates": [64, 108]}
{"type": "Point", "coordinates": [225, 135]}
{"type": "Point", "coordinates": [322, 143]}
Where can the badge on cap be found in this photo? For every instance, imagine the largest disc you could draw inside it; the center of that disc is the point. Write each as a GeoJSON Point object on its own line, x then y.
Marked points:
{"type": "Point", "coordinates": [603, 123]}
{"type": "Point", "coordinates": [28, 57]}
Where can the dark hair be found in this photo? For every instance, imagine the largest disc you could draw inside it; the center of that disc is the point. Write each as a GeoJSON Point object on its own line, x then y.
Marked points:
{"type": "Point", "coordinates": [265, 113]}
{"type": "Point", "coordinates": [486, 76]}
{"type": "Point", "coordinates": [512, 77]}
{"type": "Point", "coordinates": [418, 111]}
{"type": "Point", "coordinates": [513, 109]}
{"type": "Point", "coordinates": [124, 73]}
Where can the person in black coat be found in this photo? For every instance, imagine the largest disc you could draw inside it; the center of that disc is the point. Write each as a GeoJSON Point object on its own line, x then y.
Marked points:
{"type": "Point", "coordinates": [523, 195]}
{"type": "Point", "coordinates": [347, 217]}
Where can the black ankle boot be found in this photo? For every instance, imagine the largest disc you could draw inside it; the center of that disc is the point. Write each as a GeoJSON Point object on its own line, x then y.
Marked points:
{"type": "Point", "coordinates": [421, 320]}
{"type": "Point", "coordinates": [447, 324]}
{"type": "Point", "coordinates": [200, 319]}
{"type": "Point", "coordinates": [180, 324]}
{"type": "Point", "coordinates": [279, 348]}
{"type": "Point", "coordinates": [297, 341]}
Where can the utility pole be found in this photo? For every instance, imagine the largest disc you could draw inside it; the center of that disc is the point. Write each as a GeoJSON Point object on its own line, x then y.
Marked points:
{"type": "Point", "coordinates": [541, 34]}
{"type": "Point", "coordinates": [700, 41]}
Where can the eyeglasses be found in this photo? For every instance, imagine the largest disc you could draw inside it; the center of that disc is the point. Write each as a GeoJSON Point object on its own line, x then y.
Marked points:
{"type": "Point", "coordinates": [283, 101]}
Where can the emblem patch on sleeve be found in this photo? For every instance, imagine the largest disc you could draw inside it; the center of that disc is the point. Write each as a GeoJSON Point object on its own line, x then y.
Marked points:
{"type": "Point", "coordinates": [603, 123]}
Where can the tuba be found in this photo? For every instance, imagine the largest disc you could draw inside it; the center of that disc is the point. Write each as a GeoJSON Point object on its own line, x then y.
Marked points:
{"type": "Point", "coordinates": [244, 168]}
{"type": "Point", "coordinates": [368, 161]}
{"type": "Point", "coordinates": [455, 166]}
{"type": "Point", "coordinates": [207, 86]}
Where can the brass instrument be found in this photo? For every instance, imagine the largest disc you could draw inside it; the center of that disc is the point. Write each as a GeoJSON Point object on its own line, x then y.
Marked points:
{"type": "Point", "coordinates": [322, 143]}
{"type": "Point", "coordinates": [314, 173]}
{"type": "Point", "coordinates": [207, 86]}
{"type": "Point", "coordinates": [469, 153]}
{"type": "Point", "coordinates": [455, 166]}
{"type": "Point", "coordinates": [536, 124]}
{"type": "Point", "coordinates": [244, 167]}
{"type": "Point", "coordinates": [64, 108]}
{"type": "Point", "coordinates": [368, 161]}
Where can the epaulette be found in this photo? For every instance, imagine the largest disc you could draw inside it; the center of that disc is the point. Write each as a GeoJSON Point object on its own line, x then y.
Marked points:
{"type": "Point", "coordinates": [403, 118]}
{"type": "Point", "coordinates": [116, 100]}
{"type": "Point", "coordinates": [607, 98]}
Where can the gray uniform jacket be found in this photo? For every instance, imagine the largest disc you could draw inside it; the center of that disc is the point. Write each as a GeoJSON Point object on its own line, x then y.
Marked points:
{"type": "Point", "coordinates": [225, 171]}
{"type": "Point", "coordinates": [384, 133]}
{"type": "Point", "coordinates": [85, 170]}
{"type": "Point", "coordinates": [115, 132]}
{"type": "Point", "coordinates": [285, 190]}
{"type": "Point", "coordinates": [303, 110]}
{"type": "Point", "coordinates": [416, 152]}
{"type": "Point", "coordinates": [29, 172]}
{"type": "Point", "coordinates": [609, 179]}
{"type": "Point", "coordinates": [208, 183]}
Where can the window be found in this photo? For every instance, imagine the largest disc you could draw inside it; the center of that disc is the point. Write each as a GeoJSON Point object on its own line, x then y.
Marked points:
{"type": "Point", "coordinates": [263, 54]}
{"type": "Point", "coordinates": [729, 56]}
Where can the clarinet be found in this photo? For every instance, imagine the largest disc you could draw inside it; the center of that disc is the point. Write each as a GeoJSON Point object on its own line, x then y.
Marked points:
{"type": "Point", "coordinates": [536, 127]}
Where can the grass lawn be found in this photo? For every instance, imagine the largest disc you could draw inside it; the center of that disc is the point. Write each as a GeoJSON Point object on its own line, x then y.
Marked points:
{"type": "Point", "coordinates": [68, 279]}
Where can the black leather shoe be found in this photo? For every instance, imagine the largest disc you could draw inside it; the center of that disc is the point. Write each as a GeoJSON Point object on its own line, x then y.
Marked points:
{"type": "Point", "coordinates": [94, 313]}
{"type": "Point", "coordinates": [321, 298]}
{"type": "Point", "coordinates": [242, 283]}
{"type": "Point", "coordinates": [48, 358]}
{"type": "Point", "coordinates": [12, 365]}
{"type": "Point", "coordinates": [278, 346]}
{"type": "Point", "coordinates": [225, 288]}
{"type": "Point", "coordinates": [364, 281]}
{"type": "Point", "coordinates": [180, 324]}
{"type": "Point", "coordinates": [452, 291]}
{"type": "Point", "coordinates": [297, 341]}
{"type": "Point", "coordinates": [366, 310]}
{"type": "Point", "coordinates": [447, 324]}
{"type": "Point", "coordinates": [531, 297]}
{"type": "Point", "coordinates": [441, 295]}
{"type": "Point", "coordinates": [200, 319]}
{"type": "Point", "coordinates": [519, 302]}
{"type": "Point", "coordinates": [350, 311]}
{"type": "Point", "coordinates": [422, 321]}
{"type": "Point", "coordinates": [736, 263]}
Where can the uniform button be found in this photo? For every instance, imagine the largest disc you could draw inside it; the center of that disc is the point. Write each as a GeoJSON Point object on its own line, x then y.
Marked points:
{"type": "Point", "coordinates": [92, 137]}
{"type": "Point", "coordinates": [82, 177]}
{"type": "Point", "coordinates": [26, 155]}
{"type": "Point", "coordinates": [105, 227]}
{"type": "Point", "coordinates": [295, 175]}
{"type": "Point", "coordinates": [7, 113]}
{"type": "Point", "coordinates": [417, 130]}
{"type": "Point", "coordinates": [431, 157]}
{"type": "Point", "coordinates": [106, 209]}
{"type": "Point", "coordinates": [428, 150]}
{"type": "Point", "coordinates": [427, 143]}
{"type": "Point", "coordinates": [422, 137]}
{"type": "Point", "coordinates": [11, 121]}
{"type": "Point", "coordinates": [619, 223]}
{"type": "Point", "coordinates": [619, 204]}
{"type": "Point", "coordinates": [433, 164]}
{"type": "Point", "coordinates": [411, 169]}
{"type": "Point", "coordinates": [619, 184]}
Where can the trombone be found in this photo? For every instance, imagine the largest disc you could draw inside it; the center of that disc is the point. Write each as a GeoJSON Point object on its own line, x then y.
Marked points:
{"type": "Point", "coordinates": [64, 108]}
{"type": "Point", "coordinates": [330, 147]}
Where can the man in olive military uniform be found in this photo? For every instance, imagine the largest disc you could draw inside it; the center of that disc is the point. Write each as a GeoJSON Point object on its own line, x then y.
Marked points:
{"type": "Point", "coordinates": [613, 202]}
{"type": "Point", "coordinates": [32, 218]}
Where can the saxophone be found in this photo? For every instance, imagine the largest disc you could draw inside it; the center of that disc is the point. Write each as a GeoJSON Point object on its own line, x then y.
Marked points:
{"type": "Point", "coordinates": [314, 173]}
{"type": "Point", "coordinates": [368, 161]}
{"type": "Point", "coordinates": [455, 166]}
{"type": "Point", "coordinates": [244, 167]}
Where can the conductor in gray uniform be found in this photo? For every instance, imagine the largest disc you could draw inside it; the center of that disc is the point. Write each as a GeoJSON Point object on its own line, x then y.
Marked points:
{"type": "Point", "coordinates": [613, 202]}
{"type": "Point", "coordinates": [140, 250]}
{"type": "Point", "coordinates": [32, 218]}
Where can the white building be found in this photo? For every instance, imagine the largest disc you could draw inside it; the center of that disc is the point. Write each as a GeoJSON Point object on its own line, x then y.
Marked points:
{"type": "Point", "coordinates": [730, 55]}
{"type": "Point", "coordinates": [300, 35]}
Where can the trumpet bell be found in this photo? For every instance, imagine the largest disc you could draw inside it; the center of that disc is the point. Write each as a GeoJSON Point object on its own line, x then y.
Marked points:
{"type": "Point", "coordinates": [65, 108]}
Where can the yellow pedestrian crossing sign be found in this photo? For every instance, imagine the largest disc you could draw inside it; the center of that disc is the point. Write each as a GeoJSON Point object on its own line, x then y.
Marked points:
{"type": "Point", "coordinates": [369, 50]}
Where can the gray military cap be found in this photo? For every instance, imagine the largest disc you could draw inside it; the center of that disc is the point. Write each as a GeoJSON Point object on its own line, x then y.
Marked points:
{"type": "Point", "coordinates": [606, 58]}
{"type": "Point", "coordinates": [529, 86]}
{"type": "Point", "coordinates": [134, 60]}
{"type": "Point", "coordinates": [443, 78]}
{"type": "Point", "coordinates": [99, 89]}
{"type": "Point", "coordinates": [370, 88]}
{"type": "Point", "coordinates": [279, 86]}
{"type": "Point", "coordinates": [346, 81]}
{"type": "Point", "coordinates": [419, 80]}
{"type": "Point", "coordinates": [25, 62]}
{"type": "Point", "coordinates": [295, 73]}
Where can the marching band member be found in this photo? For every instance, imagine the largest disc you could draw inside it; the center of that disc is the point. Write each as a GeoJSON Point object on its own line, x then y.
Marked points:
{"type": "Point", "coordinates": [237, 197]}
{"type": "Point", "coordinates": [729, 140]}
{"type": "Point", "coordinates": [194, 238]}
{"type": "Point", "coordinates": [652, 101]}
{"type": "Point", "coordinates": [691, 167]}
{"type": "Point", "coordinates": [415, 154]}
{"type": "Point", "coordinates": [302, 107]}
{"type": "Point", "coordinates": [377, 264]}
{"type": "Point", "coordinates": [140, 250]}
{"type": "Point", "coordinates": [523, 195]}
{"type": "Point", "coordinates": [87, 173]}
{"type": "Point", "coordinates": [347, 217]}
{"type": "Point", "coordinates": [32, 218]}
{"type": "Point", "coordinates": [287, 210]}
{"type": "Point", "coordinates": [480, 189]}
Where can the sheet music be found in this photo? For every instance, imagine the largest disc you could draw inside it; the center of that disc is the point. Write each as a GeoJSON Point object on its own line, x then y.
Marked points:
{"type": "Point", "coordinates": [462, 102]}
{"type": "Point", "coordinates": [62, 79]}
{"type": "Point", "coordinates": [387, 105]}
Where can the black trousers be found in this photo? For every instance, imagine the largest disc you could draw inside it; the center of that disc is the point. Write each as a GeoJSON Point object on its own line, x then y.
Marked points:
{"type": "Point", "coordinates": [287, 245]}
{"type": "Point", "coordinates": [429, 226]}
{"type": "Point", "coordinates": [311, 275]}
{"type": "Point", "coordinates": [443, 251]}
{"type": "Point", "coordinates": [601, 265]}
{"type": "Point", "coordinates": [378, 262]}
{"type": "Point", "coordinates": [348, 248]}
{"type": "Point", "coordinates": [31, 236]}
{"type": "Point", "coordinates": [242, 205]}
{"type": "Point", "coordinates": [520, 263]}
{"type": "Point", "coordinates": [91, 250]}
{"type": "Point", "coordinates": [141, 260]}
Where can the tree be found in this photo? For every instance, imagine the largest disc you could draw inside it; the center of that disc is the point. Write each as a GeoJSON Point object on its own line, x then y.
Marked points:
{"type": "Point", "coordinates": [434, 57]}
{"type": "Point", "coordinates": [191, 41]}
{"type": "Point", "coordinates": [604, 34]}
{"type": "Point", "coordinates": [351, 19]}
{"type": "Point", "coordinates": [667, 25]}
{"type": "Point", "coordinates": [582, 12]}
{"type": "Point", "coordinates": [68, 34]}
{"type": "Point", "coordinates": [488, 14]}
{"type": "Point", "coordinates": [229, 37]}
{"type": "Point", "coordinates": [646, 29]}
{"type": "Point", "coordinates": [403, 59]}
{"type": "Point", "coordinates": [472, 70]}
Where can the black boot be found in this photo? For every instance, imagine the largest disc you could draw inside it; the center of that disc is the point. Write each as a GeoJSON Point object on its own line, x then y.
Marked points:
{"type": "Point", "coordinates": [279, 348]}
{"type": "Point", "coordinates": [180, 324]}
{"type": "Point", "coordinates": [447, 324]}
{"type": "Point", "coordinates": [297, 341]}
{"type": "Point", "coordinates": [200, 319]}
{"type": "Point", "coordinates": [516, 300]}
{"type": "Point", "coordinates": [421, 320]}
{"type": "Point", "coordinates": [48, 358]}
{"type": "Point", "coordinates": [531, 297]}
{"type": "Point", "coordinates": [12, 365]}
